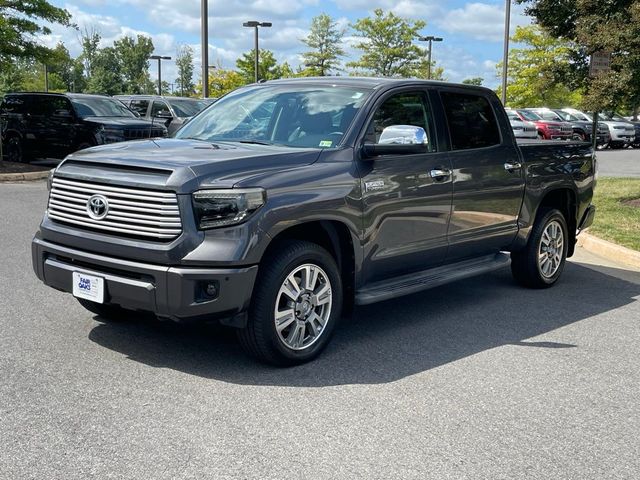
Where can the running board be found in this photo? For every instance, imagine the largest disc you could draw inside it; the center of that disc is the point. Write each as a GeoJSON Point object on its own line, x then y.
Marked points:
{"type": "Point", "coordinates": [416, 282]}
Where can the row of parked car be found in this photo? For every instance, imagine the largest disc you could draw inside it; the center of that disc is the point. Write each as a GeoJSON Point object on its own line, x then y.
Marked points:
{"type": "Point", "coordinates": [613, 130]}
{"type": "Point", "coordinates": [54, 125]}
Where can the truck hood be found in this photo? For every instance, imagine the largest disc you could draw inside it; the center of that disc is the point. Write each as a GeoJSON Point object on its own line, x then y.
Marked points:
{"type": "Point", "coordinates": [181, 165]}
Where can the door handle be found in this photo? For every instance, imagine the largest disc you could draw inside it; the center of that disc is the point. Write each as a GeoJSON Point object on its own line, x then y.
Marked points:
{"type": "Point", "coordinates": [510, 167]}
{"type": "Point", "coordinates": [439, 174]}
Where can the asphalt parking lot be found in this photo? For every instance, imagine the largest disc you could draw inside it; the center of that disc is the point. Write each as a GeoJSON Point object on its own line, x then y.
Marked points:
{"type": "Point", "coordinates": [479, 379]}
{"type": "Point", "coordinates": [619, 163]}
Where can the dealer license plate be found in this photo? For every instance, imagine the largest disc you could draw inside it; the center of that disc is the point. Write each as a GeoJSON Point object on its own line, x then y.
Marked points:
{"type": "Point", "coordinates": [88, 287]}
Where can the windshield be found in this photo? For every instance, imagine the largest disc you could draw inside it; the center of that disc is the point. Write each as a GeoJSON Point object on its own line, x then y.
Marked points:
{"type": "Point", "coordinates": [532, 117]}
{"type": "Point", "coordinates": [616, 117]}
{"type": "Point", "coordinates": [186, 108]}
{"type": "Point", "coordinates": [100, 107]}
{"type": "Point", "coordinates": [566, 116]}
{"type": "Point", "coordinates": [294, 116]}
{"type": "Point", "coordinates": [582, 116]}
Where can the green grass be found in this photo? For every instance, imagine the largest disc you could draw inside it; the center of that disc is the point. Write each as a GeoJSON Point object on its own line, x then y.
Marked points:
{"type": "Point", "coordinates": [615, 221]}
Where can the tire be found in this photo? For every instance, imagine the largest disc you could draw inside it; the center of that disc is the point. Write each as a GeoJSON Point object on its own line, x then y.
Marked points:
{"type": "Point", "coordinates": [602, 146]}
{"type": "Point", "coordinates": [106, 312]}
{"type": "Point", "coordinates": [13, 150]}
{"type": "Point", "coordinates": [540, 136]}
{"type": "Point", "coordinates": [535, 266]}
{"type": "Point", "coordinates": [307, 322]}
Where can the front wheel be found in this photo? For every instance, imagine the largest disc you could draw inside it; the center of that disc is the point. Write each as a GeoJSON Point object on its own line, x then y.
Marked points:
{"type": "Point", "coordinates": [296, 304]}
{"type": "Point", "coordinates": [14, 151]}
{"type": "Point", "coordinates": [541, 262]}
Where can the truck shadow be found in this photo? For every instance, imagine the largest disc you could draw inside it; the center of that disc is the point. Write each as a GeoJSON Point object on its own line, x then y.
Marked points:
{"type": "Point", "coordinates": [391, 340]}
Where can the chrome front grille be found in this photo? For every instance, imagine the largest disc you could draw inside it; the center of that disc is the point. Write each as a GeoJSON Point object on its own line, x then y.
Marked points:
{"type": "Point", "coordinates": [130, 212]}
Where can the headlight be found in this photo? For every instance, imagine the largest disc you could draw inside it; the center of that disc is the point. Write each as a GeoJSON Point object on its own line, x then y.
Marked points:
{"type": "Point", "coordinates": [221, 208]}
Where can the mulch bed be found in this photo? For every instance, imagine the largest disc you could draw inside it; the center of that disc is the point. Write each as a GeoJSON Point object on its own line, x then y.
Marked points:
{"type": "Point", "coordinates": [12, 167]}
{"type": "Point", "coordinates": [632, 203]}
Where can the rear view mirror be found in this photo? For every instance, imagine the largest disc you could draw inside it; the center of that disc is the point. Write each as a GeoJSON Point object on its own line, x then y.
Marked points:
{"type": "Point", "coordinates": [398, 140]}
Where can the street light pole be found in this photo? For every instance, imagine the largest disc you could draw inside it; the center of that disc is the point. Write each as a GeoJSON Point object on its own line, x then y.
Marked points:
{"type": "Point", "coordinates": [204, 19]}
{"type": "Point", "coordinates": [255, 24]}
{"type": "Point", "coordinates": [430, 39]}
{"type": "Point", "coordinates": [505, 55]}
{"type": "Point", "coordinates": [159, 58]}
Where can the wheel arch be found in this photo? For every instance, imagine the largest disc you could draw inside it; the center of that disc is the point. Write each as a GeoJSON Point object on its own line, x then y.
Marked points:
{"type": "Point", "coordinates": [565, 200]}
{"type": "Point", "coordinates": [335, 237]}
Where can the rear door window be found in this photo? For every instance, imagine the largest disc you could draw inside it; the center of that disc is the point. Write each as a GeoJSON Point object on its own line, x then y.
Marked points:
{"type": "Point", "coordinates": [140, 107]}
{"type": "Point", "coordinates": [159, 106]}
{"type": "Point", "coordinates": [471, 120]}
{"type": "Point", "coordinates": [13, 104]}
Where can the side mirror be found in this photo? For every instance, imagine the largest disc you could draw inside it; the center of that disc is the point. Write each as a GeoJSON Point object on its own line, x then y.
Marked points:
{"type": "Point", "coordinates": [164, 114]}
{"type": "Point", "coordinates": [62, 113]}
{"type": "Point", "coordinates": [398, 140]}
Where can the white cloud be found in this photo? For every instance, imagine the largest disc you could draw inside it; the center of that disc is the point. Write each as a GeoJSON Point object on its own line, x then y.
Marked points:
{"type": "Point", "coordinates": [481, 21]}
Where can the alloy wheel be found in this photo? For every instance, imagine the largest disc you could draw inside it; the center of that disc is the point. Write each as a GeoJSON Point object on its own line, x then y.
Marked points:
{"type": "Point", "coordinates": [303, 306]}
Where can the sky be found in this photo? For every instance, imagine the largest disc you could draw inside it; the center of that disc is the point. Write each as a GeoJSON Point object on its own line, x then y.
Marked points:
{"type": "Point", "coordinates": [472, 32]}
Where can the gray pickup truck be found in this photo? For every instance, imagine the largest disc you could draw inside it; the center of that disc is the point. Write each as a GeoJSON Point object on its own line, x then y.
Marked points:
{"type": "Point", "coordinates": [287, 202]}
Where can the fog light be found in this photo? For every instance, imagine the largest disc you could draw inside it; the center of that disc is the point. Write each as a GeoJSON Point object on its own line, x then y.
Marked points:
{"type": "Point", "coordinates": [211, 289]}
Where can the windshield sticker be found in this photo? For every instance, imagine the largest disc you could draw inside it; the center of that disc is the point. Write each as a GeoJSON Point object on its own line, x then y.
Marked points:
{"type": "Point", "coordinates": [326, 143]}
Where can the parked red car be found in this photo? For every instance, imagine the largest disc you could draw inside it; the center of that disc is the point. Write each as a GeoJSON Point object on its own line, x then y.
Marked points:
{"type": "Point", "coordinates": [547, 129]}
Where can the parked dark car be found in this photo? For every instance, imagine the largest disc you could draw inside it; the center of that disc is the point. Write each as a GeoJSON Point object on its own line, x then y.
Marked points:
{"type": "Point", "coordinates": [354, 191]}
{"type": "Point", "coordinates": [55, 125]}
{"type": "Point", "coordinates": [583, 129]}
{"type": "Point", "coordinates": [172, 112]}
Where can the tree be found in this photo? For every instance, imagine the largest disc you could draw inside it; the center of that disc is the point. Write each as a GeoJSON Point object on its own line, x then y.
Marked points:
{"type": "Point", "coordinates": [133, 56]}
{"type": "Point", "coordinates": [90, 41]}
{"type": "Point", "coordinates": [222, 81]}
{"type": "Point", "coordinates": [184, 62]}
{"type": "Point", "coordinates": [107, 76]}
{"type": "Point", "coordinates": [591, 26]}
{"type": "Point", "coordinates": [65, 72]}
{"type": "Point", "coordinates": [387, 45]}
{"type": "Point", "coordinates": [19, 29]}
{"type": "Point", "coordinates": [324, 39]}
{"type": "Point", "coordinates": [268, 68]}
{"type": "Point", "coordinates": [537, 72]}
{"type": "Point", "coordinates": [473, 81]}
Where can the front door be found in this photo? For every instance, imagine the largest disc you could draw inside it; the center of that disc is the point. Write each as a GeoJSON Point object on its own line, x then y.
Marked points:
{"type": "Point", "coordinates": [405, 210]}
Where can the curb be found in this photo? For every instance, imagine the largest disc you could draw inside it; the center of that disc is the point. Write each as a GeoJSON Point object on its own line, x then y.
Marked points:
{"type": "Point", "coordinates": [23, 177]}
{"type": "Point", "coordinates": [608, 250]}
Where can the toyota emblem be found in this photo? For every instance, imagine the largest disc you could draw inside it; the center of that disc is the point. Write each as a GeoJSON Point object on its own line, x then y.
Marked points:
{"type": "Point", "coordinates": [97, 207]}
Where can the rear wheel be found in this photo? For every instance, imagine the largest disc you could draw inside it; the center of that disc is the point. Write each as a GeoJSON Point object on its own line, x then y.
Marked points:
{"type": "Point", "coordinates": [541, 262]}
{"type": "Point", "coordinates": [296, 304]}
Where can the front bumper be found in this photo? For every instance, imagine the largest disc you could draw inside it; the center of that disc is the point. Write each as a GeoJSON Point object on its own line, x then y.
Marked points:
{"type": "Point", "coordinates": [178, 293]}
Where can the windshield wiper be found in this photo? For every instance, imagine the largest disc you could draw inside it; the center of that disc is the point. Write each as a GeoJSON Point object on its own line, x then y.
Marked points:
{"type": "Point", "coordinates": [254, 142]}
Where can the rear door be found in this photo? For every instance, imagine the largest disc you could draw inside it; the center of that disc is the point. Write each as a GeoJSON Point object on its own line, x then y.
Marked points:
{"type": "Point", "coordinates": [405, 210]}
{"type": "Point", "coordinates": [488, 179]}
